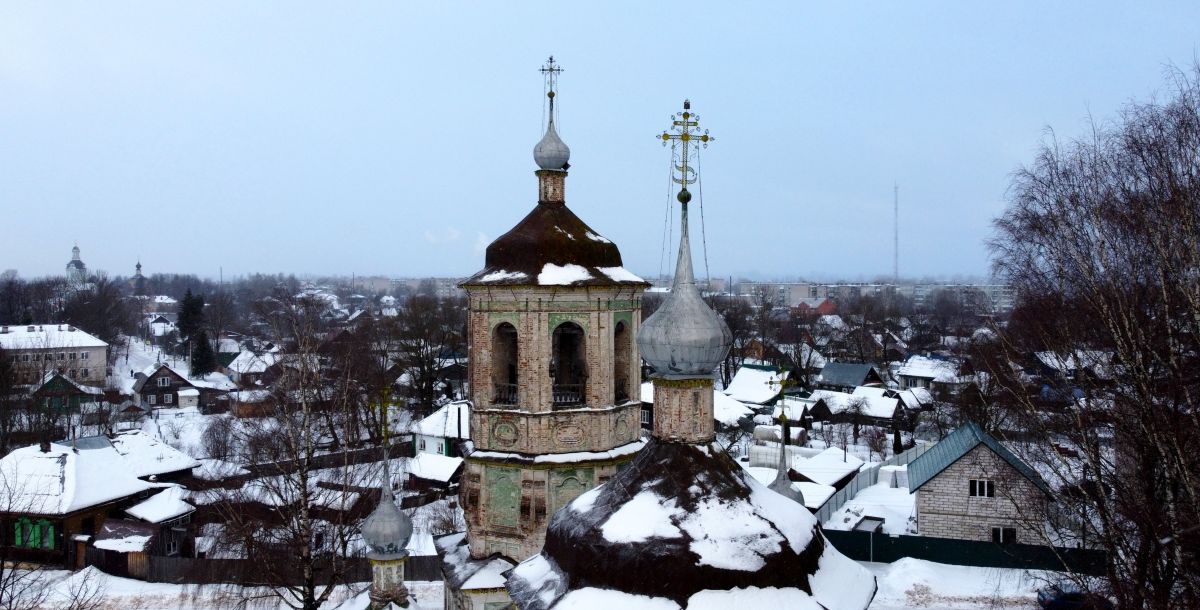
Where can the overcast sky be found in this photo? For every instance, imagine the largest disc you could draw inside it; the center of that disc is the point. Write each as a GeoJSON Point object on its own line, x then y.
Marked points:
{"type": "Point", "coordinates": [395, 138]}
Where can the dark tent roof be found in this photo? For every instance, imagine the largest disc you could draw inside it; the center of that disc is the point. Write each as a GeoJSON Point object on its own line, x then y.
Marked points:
{"type": "Point", "coordinates": [550, 234]}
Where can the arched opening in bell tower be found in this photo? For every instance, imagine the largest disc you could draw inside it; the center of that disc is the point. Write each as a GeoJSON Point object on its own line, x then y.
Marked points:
{"type": "Point", "coordinates": [622, 346]}
{"type": "Point", "coordinates": [568, 365]}
{"type": "Point", "coordinates": [504, 364]}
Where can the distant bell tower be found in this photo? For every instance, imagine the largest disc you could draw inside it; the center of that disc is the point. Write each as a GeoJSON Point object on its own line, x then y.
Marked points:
{"type": "Point", "coordinates": [554, 366]}
{"type": "Point", "coordinates": [76, 270]}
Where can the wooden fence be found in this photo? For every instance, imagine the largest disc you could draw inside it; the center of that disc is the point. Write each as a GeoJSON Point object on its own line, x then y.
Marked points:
{"type": "Point", "coordinates": [184, 570]}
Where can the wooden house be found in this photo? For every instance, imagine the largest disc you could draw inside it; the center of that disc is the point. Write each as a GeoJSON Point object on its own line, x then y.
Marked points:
{"type": "Point", "coordinates": [59, 496]}
{"type": "Point", "coordinates": [158, 386]}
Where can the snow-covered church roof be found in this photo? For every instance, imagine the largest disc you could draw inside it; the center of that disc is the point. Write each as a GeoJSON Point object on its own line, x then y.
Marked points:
{"type": "Point", "coordinates": [684, 526]}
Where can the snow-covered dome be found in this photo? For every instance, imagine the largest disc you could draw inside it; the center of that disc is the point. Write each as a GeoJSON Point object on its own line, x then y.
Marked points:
{"type": "Point", "coordinates": [387, 529]}
{"type": "Point", "coordinates": [684, 337]}
{"type": "Point", "coordinates": [685, 525]}
{"type": "Point", "coordinates": [551, 152]}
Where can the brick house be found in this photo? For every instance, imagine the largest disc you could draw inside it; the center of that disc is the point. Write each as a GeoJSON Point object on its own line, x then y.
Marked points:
{"type": "Point", "coordinates": [971, 487]}
{"type": "Point", "coordinates": [38, 349]}
{"type": "Point", "coordinates": [159, 386]}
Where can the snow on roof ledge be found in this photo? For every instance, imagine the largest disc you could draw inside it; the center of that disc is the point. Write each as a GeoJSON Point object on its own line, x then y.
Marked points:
{"type": "Point", "coordinates": [562, 275]}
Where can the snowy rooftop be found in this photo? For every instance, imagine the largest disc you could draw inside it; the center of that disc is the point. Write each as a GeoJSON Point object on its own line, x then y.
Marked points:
{"type": "Point", "coordinates": [434, 467]}
{"type": "Point", "coordinates": [163, 506]}
{"type": "Point", "coordinates": [462, 571]}
{"type": "Point", "coordinates": [827, 467]}
{"type": "Point", "coordinates": [756, 384]}
{"type": "Point", "coordinates": [935, 369]}
{"type": "Point", "coordinates": [144, 455]}
{"type": "Point", "coordinates": [213, 381]}
{"type": "Point", "coordinates": [65, 480]}
{"type": "Point", "coordinates": [45, 336]}
{"type": "Point", "coordinates": [451, 421]}
{"type": "Point", "coordinates": [249, 362]}
{"type": "Point", "coordinates": [873, 404]}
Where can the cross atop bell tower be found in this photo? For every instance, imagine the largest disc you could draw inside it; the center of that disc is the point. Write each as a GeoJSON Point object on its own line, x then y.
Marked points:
{"type": "Point", "coordinates": [551, 70]}
{"type": "Point", "coordinates": [685, 132]}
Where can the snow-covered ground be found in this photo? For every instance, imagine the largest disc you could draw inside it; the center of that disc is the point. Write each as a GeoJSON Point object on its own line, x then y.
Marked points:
{"type": "Point", "coordinates": [913, 583]}
{"type": "Point", "coordinates": [123, 593]}
{"type": "Point", "coordinates": [908, 583]}
{"type": "Point", "coordinates": [892, 504]}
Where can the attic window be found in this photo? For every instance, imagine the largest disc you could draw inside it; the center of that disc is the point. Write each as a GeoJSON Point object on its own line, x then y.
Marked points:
{"type": "Point", "coordinates": [164, 382]}
{"type": "Point", "coordinates": [982, 488]}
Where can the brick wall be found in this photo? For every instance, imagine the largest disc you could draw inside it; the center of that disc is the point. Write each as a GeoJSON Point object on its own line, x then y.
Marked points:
{"type": "Point", "coordinates": [945, 509]}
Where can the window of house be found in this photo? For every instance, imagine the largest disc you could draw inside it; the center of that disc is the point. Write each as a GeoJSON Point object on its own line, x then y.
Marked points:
{"type": "Point", "coordinates": [62, 356]}
{"type": "Point", "coordinates": [646, 417]}
{"type": "Point", "coordinates": [83, 355]}
{"type": "Point", "coordinates": [152, 399]}
{"type": "Point", "coordinates": [982, 488]}
{"type": "Point", "coordinates": [164, 382]}
{"type": "Point", "coordinates": [37, 357]}
{"type": "Point", "coordinates": [71, 373]}
{"type": "Point", "coordinates": [1004, 535]}
{"type": "Point", "coordinates": [24, 357]}
{"type": "Point", "coordinates": [168, 399]}
{"type": "Point", "coordinates": [72, 355]}
{"type": "Point", "coordinates": [84, 373]}
{"type": "Point", "coordinates": [32, 534]}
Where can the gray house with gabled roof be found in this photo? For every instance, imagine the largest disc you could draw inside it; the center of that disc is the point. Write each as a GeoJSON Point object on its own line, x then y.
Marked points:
{"type": "Point", "coordinates": [971, 487]}
{"type": "Point", "coordinates": [845, 376]}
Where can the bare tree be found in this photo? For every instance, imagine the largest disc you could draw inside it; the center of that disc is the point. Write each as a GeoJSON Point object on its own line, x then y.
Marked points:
{"type": "Point", "coordinates": [292, 522]}
{"type": "Point", "coordinates": [876, 441]}
{"type": "Point", "coordinates": [429, 329]}
{"type": "Point", "coordinates": [1102, 241]}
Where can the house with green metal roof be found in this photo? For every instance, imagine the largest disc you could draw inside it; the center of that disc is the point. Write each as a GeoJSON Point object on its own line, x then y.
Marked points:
{"type": "Point", "coordinates": [971, 487]}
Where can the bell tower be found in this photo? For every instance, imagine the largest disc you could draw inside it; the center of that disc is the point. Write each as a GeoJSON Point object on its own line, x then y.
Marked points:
{"type": "Point", "coordinates": [554, 367]}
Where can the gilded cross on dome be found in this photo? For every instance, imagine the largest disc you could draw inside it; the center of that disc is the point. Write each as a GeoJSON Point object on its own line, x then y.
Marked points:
{"type": "Point", "coordinates": [685, 128]}
{"type": "Point", "coordinates": [551, 70]}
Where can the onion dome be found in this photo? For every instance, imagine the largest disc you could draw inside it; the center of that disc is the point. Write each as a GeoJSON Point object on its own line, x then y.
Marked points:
{"type": "Point", "coordinates": [387, 529]}
{"type": "Point", "coordinates": [684, 337]}
{"type": "Point", "coordinates": [551, 246]}
{"type": "Point", "coordinates": [686, 524]}
{"type": "Point", "coordinates": [551, 152]}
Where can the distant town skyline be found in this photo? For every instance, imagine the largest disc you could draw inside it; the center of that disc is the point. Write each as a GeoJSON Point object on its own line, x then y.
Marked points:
{"type": "Point", "coordinates": [394, 139]}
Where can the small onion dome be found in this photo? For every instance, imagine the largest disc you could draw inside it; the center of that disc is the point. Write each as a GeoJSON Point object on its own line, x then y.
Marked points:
{"type": "Point", "coordinates": [387, 529]}
{"type": "Point", "coordinates": [684, 337]}
{"type": "Point", "coordinates": [551, 152]}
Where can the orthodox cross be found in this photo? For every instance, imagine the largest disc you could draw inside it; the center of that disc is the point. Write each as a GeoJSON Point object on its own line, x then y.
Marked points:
{"type": "Point", "coordinates": [783, 385]}
{"type": "Point", "coordinates": [551, 71]}
{"type": "Point", "coordinates": [685, 129]}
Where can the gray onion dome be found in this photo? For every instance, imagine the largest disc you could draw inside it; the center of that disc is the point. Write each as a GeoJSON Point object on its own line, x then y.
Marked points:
{"type": "Point", "coordinates": [551, 152]}
{"type": "Point", "coordinates": [684, 337]}
{"type": "Point", "coordinates": [387, 529]}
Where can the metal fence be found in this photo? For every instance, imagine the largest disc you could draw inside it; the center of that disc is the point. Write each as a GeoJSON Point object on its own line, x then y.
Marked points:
{"type": "Point", "coordinates": [885, 548]}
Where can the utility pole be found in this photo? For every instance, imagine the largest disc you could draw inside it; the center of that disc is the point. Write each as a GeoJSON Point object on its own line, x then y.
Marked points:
{"type": "Point", "coordinates": [896, 234]}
